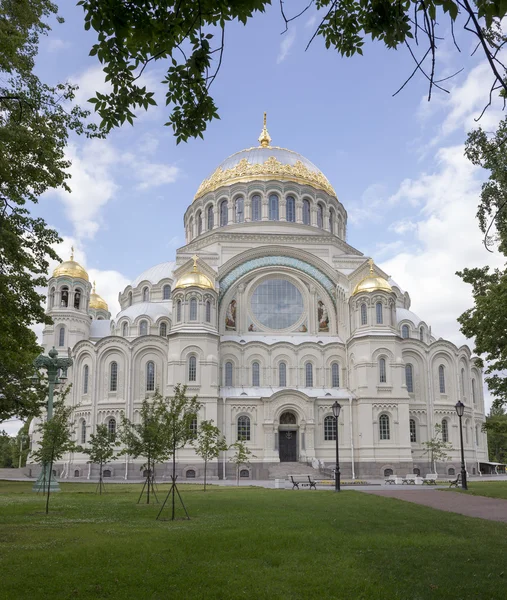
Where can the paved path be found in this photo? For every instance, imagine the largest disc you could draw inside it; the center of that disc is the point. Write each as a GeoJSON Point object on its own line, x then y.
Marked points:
{"type": "Point", "coordinates": [493, 509]}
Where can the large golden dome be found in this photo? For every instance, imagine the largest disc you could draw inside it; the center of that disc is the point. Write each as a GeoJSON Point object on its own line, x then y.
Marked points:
{"type": "Point", "coordinates": [71, 268]}
{"type": "Point", "coordinates": [96, 301]}
{"type": "Point", "coordinates": [263, 163]}
{"type": "Point", "coordinates": [372, 283]}
{"type": "Point", "coordinates": [194, 279]}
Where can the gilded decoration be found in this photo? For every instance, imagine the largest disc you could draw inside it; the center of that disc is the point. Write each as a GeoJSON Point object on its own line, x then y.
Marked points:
{"type": "Point", "coordinates": [271, 168]}
{"type": "Point", "coordinates": [71, 268]}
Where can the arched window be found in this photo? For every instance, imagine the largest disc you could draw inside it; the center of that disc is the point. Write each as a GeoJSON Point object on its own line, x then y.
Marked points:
{"type": "Point", "coordinates": [191, 228]}
{"type": "Point", "coordinates": [474, 398]}
{"type": "Point", "coordinates": [199, 223]}
{"type": "Point", "coordinates": [331, 220]}
{"type": "Point", "coordinates": [61, 337]}
{"type": "Point", "coordinates": [224, 213]}
{"type": "Point", "coordinates": [421, 334]}
{"type": "Point", "coordinates": [208, 311]}
{"type": "Point", "coordinates": [166, 291]}
{"type": "Point", "coordinates": [388, 472]}
{"type": "Point", "coordinates": [190, 474]}
{"type": "Point", "coordinates": [86, 372]}
{"type": "Point", "coordinates": [384, 428]}
{"type": "Point", "coordinates": [125, 329]}
{"type": "Point", "coordinates": [244, 428]}
{"type": "Point", "coordinates": [228, 374]}
{"type": "Point", "coordinates": [282, 374]}
{"type": "Point", "coordinates": [273, 207]}
{"type": "Point", "coordinates": [290, 209]}
{"type": "Point", "coordinates": [256, 375]}
{"type": "Point", "coordinates": [76, 473]}
{"type": "Point", "coordinates": [77, 298]}
{"type": "Point", "coordinates": [192, 368]}
{"type": "Point", "coordinates": [150, 376]}
{"type": "Point", "coordinates": [193, 309]}
{"type": "Point", "coordinates": [143, 328]}
{"type": "Point", "coordinates": [441, 378]}
{"type": "Point", "coordinates": [113, 377]}
{"type": "Point", "coordinates": [163, 329]}
{"type": "Point", "coordinates": [193, 428]}
{"type": "Point", "coordinates": [364, 315]}
{"type": "Point", "coordinates": [409, 378]}
{"type": "Point", "coordinates": [477, 435]}
{"type": "Point", "coordinates": [329, 428]}
{"type": "Point", "coordinates": [178, 310]}
{"type": "Point", "coordinates": [413, 431]}
{"type": "Point", "coordinates": [146, 294]}
{"type": "Point", "coordinates": [466, 427]}
{"type": "Point", "coordinates": [130, 298]}
{"type": "Point", "coordinates": [405, 332]}
{"type": "Point", "coordinates": [382, 370]}
{"type": "Point", "coordinates": [83, 432]}
{"type": "Point", "coordinates": [309, 374]}
{"type": "Point", "coordinates": [111, 428]}
{"type": "Point", "coordinates": [64, 297]}
{"type": "Point", "coordinates": [239, 209]}
{"type": "Point", "coordinates": [378, 310]}
{"type": "Point", "coordinates": [52, 298]}
{"type": "Point", "coordinates": [306, 212]}
{"type": "Point", "coordinates": [211, 218]}
{"type": "Point", "coordinates": [445, 430]}
{"type": "Point", "coordinates": [335, 375]}
{"type": "Point", "coordinates": [463, 383]}
{"type": "Point", "coordinates": [256, 208]}
{"type": "Point", "coordinates": [320, 215]}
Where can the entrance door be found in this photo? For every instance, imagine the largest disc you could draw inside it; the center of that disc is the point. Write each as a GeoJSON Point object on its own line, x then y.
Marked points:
{"type": "Point", "coordinates": [288, 446]}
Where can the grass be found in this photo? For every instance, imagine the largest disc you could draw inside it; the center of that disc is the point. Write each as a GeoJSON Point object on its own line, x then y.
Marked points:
{"type": "Point", "coordinates": [243, 543]}
{"type": "Point", "coordinates": [492, 489]}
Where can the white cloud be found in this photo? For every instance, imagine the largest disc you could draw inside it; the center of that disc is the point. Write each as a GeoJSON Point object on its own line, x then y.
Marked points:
{"type": "Point", "coordinates": [155, 174]}
{"type": "Point", "coordinates": [56, 44]}
{"type": "Point", "coordinates": [286, 44]}
{"type": "Point", "coordinates": [403, 226]}
{"type": "Point", "coordinates": [366, 210]}
{"type": "Point", "coordinates": [311, 21]}
{"type": "Point", "coordinates": [109, 284]}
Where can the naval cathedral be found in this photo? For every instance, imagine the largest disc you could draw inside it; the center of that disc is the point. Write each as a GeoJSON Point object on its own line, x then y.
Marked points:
{"type": "Point", "coordinates": [269, 316]}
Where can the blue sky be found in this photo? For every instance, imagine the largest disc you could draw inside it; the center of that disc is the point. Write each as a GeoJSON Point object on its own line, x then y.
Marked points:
{"type": "Point", "coordinates": [396, 162]}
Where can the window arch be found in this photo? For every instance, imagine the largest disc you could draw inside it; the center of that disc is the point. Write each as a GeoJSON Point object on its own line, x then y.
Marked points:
{"type": "Point", "coordinates": [405, 332]}
{"type": "Point", "coordinates": [130, 299]}
{"type": "Point", "coordinates": [256, 208]}
{"type": "Point", "coordinates": [256, 374]}
{"type": "Point", "coordinates": [421, 334]}
{"type": "Point", "coordinates": [445, 430]}
{"type": "Point", "coordinates": [199, 223]}
{"type": "Point", "coordinates": [143, 328]}
{"type": "Point", "coordinates": [64, 297]}
{"type": "Point", "coordinates": [308, 374]}
{"type": "Point", "coordinates": [379, 313]}
{"type": "Point", "coordinates": [335, 375]}
{"type": "Point", "coordinates": [83, 431]}
{"type": "Point", "coordinates": [113, 377]}
{"type": "Point", "coordinates": [441, 379]}
{"type": "Point", "coordinates": [463, 383]}
{"type": "Point", "coordinates": [329, 428]}
{"type": "Point", "coordinates": [190, 474]}
{"type": "Point", "coordinates": [320, 215]}
{"type": "Point", "coordinates": [193, 309]}
{"type": "Point", "coordinates": [146, 294]}
{"type": "Point", "coordinates": [384, 427]}
{"type": "Point", "coordinates": [244, 428]}
{"type": "Point", "coordinates": [382, 370]}
{"type": "Point", "coordinates": [228, 374]}
{"type": "Point", "coordinates": [111, 428]}
{"type": "Point", "coordinates": [86, 372]}
{"type": "Point", "coordinates": [413, 431]}
{"type": "Point", "coordinates": [166, 291]}
{"type": "Point", "coordinates": [224, 213]}
{"type": "Point", "coordinates": [52, 298]}
{"type": "Point", "coordinates": [364, 314]}
{"type": "Point", "coordinates": [125, 329]}
{"type": "Point", "coordinates": [331, 220]}
{"type": "Point", "coordinates": [163, 329]}
{"type": "Point", "coordinates": [451, 471]}
{"type": "Point", "coordinates": [282, 374]}
{"type": "Point", "coordinates": [150, 376]}
{"type": "Point", "coordinates": [273, 207]}
{"type": "Point", "coordinates": [474, 397]}
{"type": "Point", "coordinates": [208, 311]}
{"type": "Point", "coordinates": [194, 427]}
{"type": "Point", "coordinates": [290, 209]}
{"type": "Point", "coordinates": [210, 218]}
{"type": "Point", "coordinates": [178, 310]}
{"type": "Point", "coordinates": [61, 337]}
{"type": "Point", "coordinates": [409, 378]}
{"type": "Point", "coordinates": [77, 298]}
{"type": "Point", "coordinates": [239, 209]}
{"type": "Point", "coordinates": [306, 212]}
{"type": "Point", "coordinates": [192, 368]}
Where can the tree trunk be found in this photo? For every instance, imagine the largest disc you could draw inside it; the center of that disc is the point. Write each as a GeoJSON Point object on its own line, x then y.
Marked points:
{"type": "Point", "coordinates": [205, 468]}
{"type": "Point", "coordinates": [100, 479]}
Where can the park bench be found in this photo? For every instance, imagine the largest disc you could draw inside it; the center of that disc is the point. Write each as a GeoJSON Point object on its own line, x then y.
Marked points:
{"type": "Point", "coordinates": [409, 479]}
{"type": "Point", "coordinates": [303, 481]}
{"type": "Point", "coordinates": [394, 480]}
{"type": "Point", "coordinates": [431, 479]}
{"type": "Point", "coordinates": [455, 482]}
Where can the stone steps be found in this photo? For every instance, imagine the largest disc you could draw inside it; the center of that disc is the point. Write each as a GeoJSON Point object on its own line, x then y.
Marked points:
{"type": "Point", "coordinates": [282, 470]}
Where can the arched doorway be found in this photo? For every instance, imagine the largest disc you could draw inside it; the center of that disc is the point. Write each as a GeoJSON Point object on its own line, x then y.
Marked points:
{"type": "Point", "coordinates": [287, 437]}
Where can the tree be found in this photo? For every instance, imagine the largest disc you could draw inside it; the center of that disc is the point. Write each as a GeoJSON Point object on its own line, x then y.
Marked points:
{"type": "Point", "coordinates": [209, 443]}
{"type": "Point", "coordinates": [21, 446]}
{"type": "Point", "coordinates": [35, 121]}
{"type": "Point", "coordinates": [436, 448]}
{"type": "Point", "coordinates": [496, 428]}
{"type": "Point", "coordinates": [101, 449]}
{"type": "Point", "coordinates": [189, 36]}
{"type": "Point", "coordinates": [241, 456]}
{"type": "Point", "coordinates": [6, 450]}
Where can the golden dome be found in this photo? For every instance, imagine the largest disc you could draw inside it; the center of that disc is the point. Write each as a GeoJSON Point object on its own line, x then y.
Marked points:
{"type": "Point", "coordinates": [372, 283]}
{"type": "Point", "coordinates": [96, 301]}
{"type": "Point", "coordinates": [194, 279]}
{"type": "Point", "coordinates": [71, 268]}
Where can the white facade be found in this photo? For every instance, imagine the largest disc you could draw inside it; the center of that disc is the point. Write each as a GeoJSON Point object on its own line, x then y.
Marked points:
{"type": "Point", "coordinates": [294, 319]}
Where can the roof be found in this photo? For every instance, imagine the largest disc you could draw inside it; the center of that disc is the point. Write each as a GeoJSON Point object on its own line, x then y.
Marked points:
{"type": "Point", "coordinates": [404, 314]}
{"type": "Point", "coordinates": [157, 273]}
{"type": "Point", "coordinates": [154, 310]}
{"type": "Point", "coordinates": [100, 328]}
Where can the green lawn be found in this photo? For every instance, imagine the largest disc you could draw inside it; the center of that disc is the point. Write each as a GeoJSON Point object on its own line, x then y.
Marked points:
{"type": "Point", "coordinates": [243, 543]}
{"type": "Point", "coordinates": [492, 489]}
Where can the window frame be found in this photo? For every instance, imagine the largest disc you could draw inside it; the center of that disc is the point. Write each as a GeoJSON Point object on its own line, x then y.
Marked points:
{"type": "Point", "coordinates": [61, 336]}
{"type": "Point", "coordinates": [413, 431]}
{"type": "Point", "coordinates": [382, 370]}
{"type": "Point", "coordinates": [192, 368]}
{"type": "Point", "coordinates": [309, 374]}
{"type": "Point", "coordinates": [256, 207]}
{"type": "Point", "coordinates": [192, 311]}
{"type": "Point", "coordinates": [229, 374]}
{"type": "Point", "coordinates": [150, 376]}
{"type": "Point", "coordinates": [86, 375]}
{"type": "Point", "coordinates": [223, 212]}
{"type": "Point", "coordinates": [445, 430]}
{"type": "Point", "coordinates": [409, 377]}
{"type": "Point", "coordinates": [330, 427]}
{"type": "Point", "coordinates": [274, 207]}
{"type": "Point", "coordinates": [166, 292]}
{"type": "Point", "coordinates": [405, 332]}
{"type": "Point", "coordinates": [364, 314]}
{"type": "Point", "coordinates": [83, 431]}
{"type": "Point", "coordinates": [256, 374]}
{"type": "Point", "coordinates": [282, 374]}
{"type": "Point", "coordinates": [441, 379]}
{"type": "Point", "coordinates": [307, 212]}
{"type": "Point", "coordinates": [210, 218]}
{"type": "Point", "coordinates": [113, 376]}
{"type": "Point", "coordinates": [239, 215]}
{"type": "Point", "coordinates": [379, 312]}
{"type": "Point", "coordinates": [143, 327]}
{"type": "Point", "coordinates": [384, 427]}
{"type": "Point", "coordinates": [290, 213]}
{"type": "Point", "coordinates": [243, 428]}
{"type": "Point", "coordinates": [163, 332]}
{"type": "Point", "coordinates": [335, 374]}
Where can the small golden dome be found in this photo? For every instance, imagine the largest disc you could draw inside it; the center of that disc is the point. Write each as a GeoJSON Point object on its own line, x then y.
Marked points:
{"type": "Point", "coordinates": [194, 279]}
{"type": "Point", "coordinates": [372, 283]}
{"type": "Point", "coordinates": [96, 301]}
{"type": "Point", "coordinates": [71, 268]}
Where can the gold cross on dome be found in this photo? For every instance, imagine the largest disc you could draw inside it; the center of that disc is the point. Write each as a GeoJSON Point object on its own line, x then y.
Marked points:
{"type": "Point", "coordinates": [72, 253]}
{"type": "Point", "coordinates": [370, 262]}
{"type": "Point", "coordinates": [94, 287]}
{"type": "Point", "coordinates": [195, 258]}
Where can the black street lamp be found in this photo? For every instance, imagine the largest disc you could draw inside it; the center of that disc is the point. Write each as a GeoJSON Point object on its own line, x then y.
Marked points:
{"type": "Point", "coordinates": [460, 409]}
{"type": "Point", "coordinates": [336, 412]}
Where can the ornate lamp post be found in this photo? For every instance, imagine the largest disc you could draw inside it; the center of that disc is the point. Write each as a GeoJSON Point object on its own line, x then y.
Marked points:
{"type": "Point", "coordinates": [460, 409]}
{"type": "Point", "coordinates": [336, 412]}
{"type": "Point", "coordinates": [53, 365]}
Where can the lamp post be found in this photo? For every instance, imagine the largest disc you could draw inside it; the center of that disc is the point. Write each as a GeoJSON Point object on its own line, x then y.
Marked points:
{"type": "Point", "coordinates": [336, 412]}
{"type": "Point", "coordinates": [460, 409]}
{"type": "Point", "coordinates": [53, 365]}
{"type": "Point", "coordinates": [22, 438]}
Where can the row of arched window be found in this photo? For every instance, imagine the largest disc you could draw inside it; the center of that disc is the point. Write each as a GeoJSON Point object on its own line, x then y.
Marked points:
{"type": "Point", "coordinates": [111, 428]}
{"type": "Point", "coordinates": [228, 377]}
{"type": "Point", "coordinates": [144, 328]}
{"type": "Point", "coordinates": [65, 297]}
{"type": "Point", "coordinates": [166, 294]}
{"type": "Point", "coordinates": [193, 310]}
